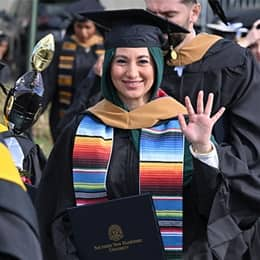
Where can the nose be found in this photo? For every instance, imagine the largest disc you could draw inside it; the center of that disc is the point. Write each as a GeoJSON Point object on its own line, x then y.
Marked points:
{"type": "Point", "coordinates": [132, 70]}
{"type": "Point", "coordinates": [84, 31]}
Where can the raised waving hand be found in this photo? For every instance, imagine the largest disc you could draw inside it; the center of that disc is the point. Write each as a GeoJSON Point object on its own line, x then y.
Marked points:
{"type": "Point", "coordinates": [199, 127]}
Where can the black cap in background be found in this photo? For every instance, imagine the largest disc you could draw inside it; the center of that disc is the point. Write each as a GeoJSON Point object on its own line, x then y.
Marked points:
{"type": "Point", "coordinates": [247, 16]}
{"type": "Point", "coordinates": [239, 22]}
{"type": "Point", "coordinates": [133, 27]}
{"type": "Point", "coordinates": [73, 10]}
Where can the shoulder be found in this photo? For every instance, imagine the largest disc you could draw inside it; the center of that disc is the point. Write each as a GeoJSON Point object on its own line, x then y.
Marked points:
{"type": "Point", "coordinates": [225, 53]}
{"type": "Point", "coordinates": [8, 171]}
{"type": "Point", "coordinates": [226, 46]}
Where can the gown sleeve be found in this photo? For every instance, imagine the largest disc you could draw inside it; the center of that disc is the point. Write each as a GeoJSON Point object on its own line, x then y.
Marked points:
{"type": "Point", "coordinates": [55, 192]}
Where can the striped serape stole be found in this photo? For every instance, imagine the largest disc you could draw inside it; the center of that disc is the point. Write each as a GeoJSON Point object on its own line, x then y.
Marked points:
{"type": "Point", "coordinates": [91, 157]}
{"type": "Point", "coordinates": [65, 75]}
{"type": "Point", "coordinates": [161, 173]}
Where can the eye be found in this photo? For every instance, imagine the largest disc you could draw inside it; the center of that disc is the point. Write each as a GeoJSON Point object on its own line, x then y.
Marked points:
{"type": "Point", "coordinates": [144, 61]}
{"type": "Point", "coordinates": [170, 15]}
{"type": "Point", "coordinates": [120, 61]}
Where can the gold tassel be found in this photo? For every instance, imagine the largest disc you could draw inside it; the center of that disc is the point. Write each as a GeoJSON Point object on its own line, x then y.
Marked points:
{"type": "Point", "coordinates": [171, 56]}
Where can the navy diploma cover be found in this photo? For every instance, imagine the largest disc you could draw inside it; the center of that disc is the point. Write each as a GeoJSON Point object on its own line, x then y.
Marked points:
{"type": "Point", "coordinates": [120, 229]}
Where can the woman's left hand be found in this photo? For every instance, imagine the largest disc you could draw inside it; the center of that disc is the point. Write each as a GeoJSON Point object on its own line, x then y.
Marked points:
{"type": "Point", "coordinates": [199, 128]}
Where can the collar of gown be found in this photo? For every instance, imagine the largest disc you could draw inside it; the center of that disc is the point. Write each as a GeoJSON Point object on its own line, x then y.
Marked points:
{"type": "Point", "coordinates": [195, 49]}
{"type": "Point", "coordinates": [145, 116]}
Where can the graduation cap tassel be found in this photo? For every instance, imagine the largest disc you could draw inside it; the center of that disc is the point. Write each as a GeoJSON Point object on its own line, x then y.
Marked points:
{"type": "Point", "coordinates": [218, 10]}
{"type": "Point", "coordinates": [171, 54]}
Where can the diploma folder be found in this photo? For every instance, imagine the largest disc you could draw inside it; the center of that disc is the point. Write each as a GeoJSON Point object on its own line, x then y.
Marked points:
{"type": "Point", "coordinates": [119, 229]}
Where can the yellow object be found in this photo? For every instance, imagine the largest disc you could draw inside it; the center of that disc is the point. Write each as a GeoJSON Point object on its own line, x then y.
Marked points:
{"type": "Point", "coordinates": [145, 116]}
{"type": "Point", "coordinates": [194, 50]}
{"type": "Point", "coordinates": [3, 128]}
{"type": "Point", "coordinates": [8, 171]}
{"type": "Point", "coordinates": [43, 53]}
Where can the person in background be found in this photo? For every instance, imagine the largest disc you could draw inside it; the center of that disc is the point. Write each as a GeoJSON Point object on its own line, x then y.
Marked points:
{"type": "Point", "coordinates": [74, 58]}
{"type": "Point", "coordinates": [108, 151]}
{"type": "Point", "coordinates": [86, 95]}
{"type": "Point", "coordinates": [210, 63]}
{"type": "Point", "coordinates": [19, 230]}
{"type": "Point", "coordinates": [243, 27]}
{"type": "Point", "coordinates": [252, 39]}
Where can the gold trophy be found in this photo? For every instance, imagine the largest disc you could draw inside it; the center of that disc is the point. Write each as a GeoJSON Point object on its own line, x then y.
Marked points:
{"type": "Point", "coordinates": [24, 101]}
{"type": "Point", "coordinates": [42, 53]}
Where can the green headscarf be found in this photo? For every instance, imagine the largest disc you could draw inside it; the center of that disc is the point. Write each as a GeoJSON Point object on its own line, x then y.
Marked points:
{"type": "Point", "coordinates": [109, 92]}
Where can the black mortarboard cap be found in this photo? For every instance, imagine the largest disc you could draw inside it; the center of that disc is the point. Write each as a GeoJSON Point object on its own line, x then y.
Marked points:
{"type": "Point", "coordinates": [239, 22]}
{"type": "Point", "coordinates": [246, 16]}
{"type": "Point", "coordinates": [133, 27]}
{"type": "Point", "coordinates": [74, 9]}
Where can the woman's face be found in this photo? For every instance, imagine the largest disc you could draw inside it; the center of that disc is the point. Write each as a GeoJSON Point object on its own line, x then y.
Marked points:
{"type": "Point", "coordinates": [84, 30]}
{"type": "Point", "coordinates": [132, 73]}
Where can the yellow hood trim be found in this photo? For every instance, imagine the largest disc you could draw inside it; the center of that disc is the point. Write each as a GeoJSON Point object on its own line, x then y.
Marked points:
{"type": "Point", "coordinates": [145, 116]}
{"type": "Point", "coordinates": [8, 171]}
{"type": "Point", "coordinates": [195, 49]}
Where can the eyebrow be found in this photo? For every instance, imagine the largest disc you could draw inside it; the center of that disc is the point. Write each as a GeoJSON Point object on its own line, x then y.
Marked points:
{"type": "Point", "coordinates": [124, 56]}
{"type": "Point", "coordinates": [163, 13]}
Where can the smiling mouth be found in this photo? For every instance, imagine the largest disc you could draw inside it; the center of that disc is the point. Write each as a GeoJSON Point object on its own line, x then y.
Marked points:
{"type": "Point", "coordinates": [132, 84]}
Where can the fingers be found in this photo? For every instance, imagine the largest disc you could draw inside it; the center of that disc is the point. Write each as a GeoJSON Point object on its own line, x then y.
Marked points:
{"type": "Point", "coordinates": [189, 106]}
{"type": "Point", "coordinates": [182, 122]}
{"type": "Point", "coordinates": [209, 104]}
{"type": "Point", "coordinates": [216, 117]}
{"type": "Point", "coordinates": [200, 106]}
{"type": "Point", "coordinates": [200, 103]}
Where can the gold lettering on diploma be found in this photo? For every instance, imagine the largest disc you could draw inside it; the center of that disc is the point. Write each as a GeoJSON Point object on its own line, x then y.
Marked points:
{"type": "Point", "coordinates": [115, 233]}
{"type": "Point", "coordinates": [118, 246]}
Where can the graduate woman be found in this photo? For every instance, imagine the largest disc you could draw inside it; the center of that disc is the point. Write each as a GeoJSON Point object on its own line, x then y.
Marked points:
{"type": "Point", "coordinates": [108, 151]}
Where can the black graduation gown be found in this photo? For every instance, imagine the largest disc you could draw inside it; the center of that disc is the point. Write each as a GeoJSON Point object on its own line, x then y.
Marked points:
{"type": "Point", "coordinates": [87, 95]}
{"type": "Point", "coordinates": [83, 62]}
{"type": "Point", "coordinates": [56, 193]}
{"type": "Point", "coordinates": [232, 74]}
{"type": "Point", "coordinates": [19, 236]}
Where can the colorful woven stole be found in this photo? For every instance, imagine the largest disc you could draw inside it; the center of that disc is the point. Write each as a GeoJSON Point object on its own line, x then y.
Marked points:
{"type": "Point", "coordinates": [91, 156]}
{"type": "Point", "coordinates": [161, 172]}
{"type": "Point", "coordinates": [65, 74]}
